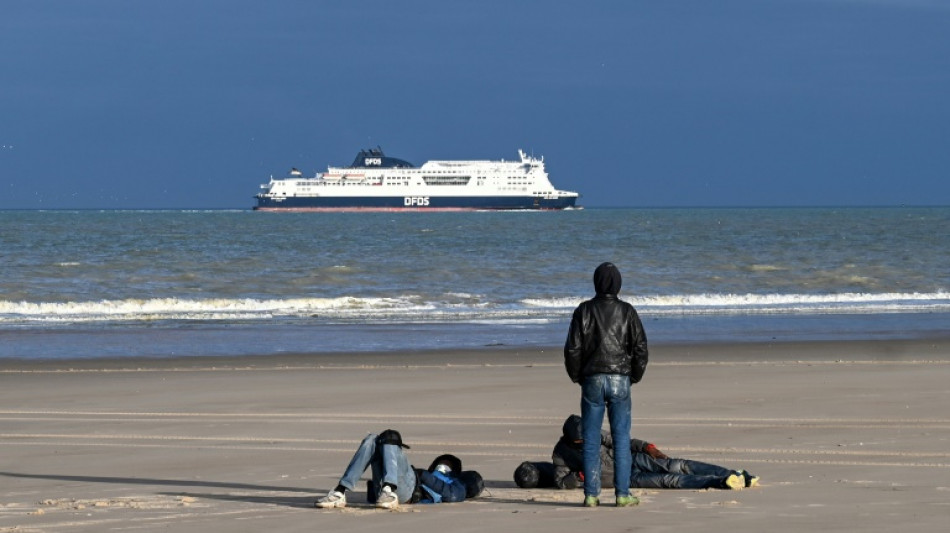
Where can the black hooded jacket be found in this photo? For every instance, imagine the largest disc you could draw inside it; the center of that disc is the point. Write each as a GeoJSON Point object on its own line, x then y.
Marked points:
{"type": "Point", "coordinates": [568, 455]}
{"type": "Point", "coordinates": [606, 335]}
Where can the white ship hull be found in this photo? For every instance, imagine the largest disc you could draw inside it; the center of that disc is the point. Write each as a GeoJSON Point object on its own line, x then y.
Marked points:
{"type": "Point", "coordinates": [379, 183]}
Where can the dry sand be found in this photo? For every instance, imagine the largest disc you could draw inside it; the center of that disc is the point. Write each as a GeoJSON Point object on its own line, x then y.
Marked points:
{"type": "Point", "coordinates": [849, 436]}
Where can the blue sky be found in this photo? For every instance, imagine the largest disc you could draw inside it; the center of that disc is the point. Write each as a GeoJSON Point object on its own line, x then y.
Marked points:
{"type": "Point", "coordinates": [193, 104]}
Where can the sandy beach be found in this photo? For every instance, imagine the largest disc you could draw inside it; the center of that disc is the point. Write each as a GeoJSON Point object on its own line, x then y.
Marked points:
{"type": "Point", "coordinates": [846, 436]}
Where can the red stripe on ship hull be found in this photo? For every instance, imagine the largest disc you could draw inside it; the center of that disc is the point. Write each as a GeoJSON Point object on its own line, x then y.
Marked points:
{"type": "Point", "coordinates": [389, 209]}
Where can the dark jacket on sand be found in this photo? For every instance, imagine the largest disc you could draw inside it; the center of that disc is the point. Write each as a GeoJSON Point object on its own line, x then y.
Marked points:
{"type": "Point", "coordinates": [568, 456]}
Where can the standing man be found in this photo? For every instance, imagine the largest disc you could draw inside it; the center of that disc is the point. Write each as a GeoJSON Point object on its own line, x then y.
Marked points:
{"type": "Point", "coordinates": [606, 352]}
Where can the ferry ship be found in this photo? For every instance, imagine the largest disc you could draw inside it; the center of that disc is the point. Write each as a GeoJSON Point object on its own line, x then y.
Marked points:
{"type": "Point", "coordinates": [377, 182]}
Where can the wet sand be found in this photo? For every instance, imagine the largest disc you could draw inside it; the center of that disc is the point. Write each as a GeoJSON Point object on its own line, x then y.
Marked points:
{"type": "Point", "coordinates": [847, 436]}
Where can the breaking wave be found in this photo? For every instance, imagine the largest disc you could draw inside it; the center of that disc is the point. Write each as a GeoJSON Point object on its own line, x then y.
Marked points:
{"type": "Point", "coordinates": [857, 303]}
{"type": "Point", "coordinates": [457, 307]}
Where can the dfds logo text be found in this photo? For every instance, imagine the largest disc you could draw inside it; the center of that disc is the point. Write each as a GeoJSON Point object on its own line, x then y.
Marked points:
{"type": "Point", "coordinates": [416, 201]}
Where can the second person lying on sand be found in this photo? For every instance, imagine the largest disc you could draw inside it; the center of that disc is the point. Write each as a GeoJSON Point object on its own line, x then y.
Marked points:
{"type": "Point", "coordinates": [651, 467]}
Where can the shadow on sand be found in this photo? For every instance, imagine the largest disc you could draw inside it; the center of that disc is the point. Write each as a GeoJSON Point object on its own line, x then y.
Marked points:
{"type": "Point", "coordinates": [159, 482]}
{"type": "Point", "coordinates": [358, 498]}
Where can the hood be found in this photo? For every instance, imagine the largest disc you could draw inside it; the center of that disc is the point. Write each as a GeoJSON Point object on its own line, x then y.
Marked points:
{"type": "Point", "coordinates": [607, 279]}
{"type": "Point", "coordinates": [450, 460]}
{"type": "Point", "coordinates": [573, 430]}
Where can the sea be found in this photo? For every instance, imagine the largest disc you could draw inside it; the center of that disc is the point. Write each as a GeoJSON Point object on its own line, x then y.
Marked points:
{"type": "Point", "coordinates": [87, 284]}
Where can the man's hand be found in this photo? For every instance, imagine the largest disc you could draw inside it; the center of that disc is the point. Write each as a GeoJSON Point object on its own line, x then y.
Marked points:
{"type": "Point", "coordinates": [655, 452]}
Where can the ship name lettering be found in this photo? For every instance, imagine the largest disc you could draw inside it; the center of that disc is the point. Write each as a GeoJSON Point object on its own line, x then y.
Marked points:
{"type": "Point", "coordinates": [420, 201]}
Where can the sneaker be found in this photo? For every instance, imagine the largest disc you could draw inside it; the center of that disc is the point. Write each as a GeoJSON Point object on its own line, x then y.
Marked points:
{"type": "Point", "coordinates": [387, 499]}
{"type": "Point", "coordinates": [627, 501]}
{"type": "Point", "coordinates": [734, 482]}
{"type": "Point", "coordinates": [332, 500]}
{"type": "Point", "coordinates": [749, 479]}
{"type": "Point", "coordinates": [591, 501]}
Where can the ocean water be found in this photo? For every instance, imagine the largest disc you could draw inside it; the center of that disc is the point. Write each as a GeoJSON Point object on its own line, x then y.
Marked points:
{"type": "Point", "coordinates": [81, 284]}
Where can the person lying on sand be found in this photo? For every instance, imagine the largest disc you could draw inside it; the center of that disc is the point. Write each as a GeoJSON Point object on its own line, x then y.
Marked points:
{"type": "Point", "coordinates": [395, 481]}
{"type": "Point", "coordinates": [651, 467]}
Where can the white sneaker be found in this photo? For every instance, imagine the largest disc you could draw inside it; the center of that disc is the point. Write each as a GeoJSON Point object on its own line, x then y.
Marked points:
{"type": "Point", "coordinates": [387, 499]}
{"type": "Point", "coordinates": [332, 500]}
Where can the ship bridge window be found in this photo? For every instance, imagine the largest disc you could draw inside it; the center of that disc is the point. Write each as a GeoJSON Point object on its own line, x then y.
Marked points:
{"type": "Point", "coordinates": [446, 180]}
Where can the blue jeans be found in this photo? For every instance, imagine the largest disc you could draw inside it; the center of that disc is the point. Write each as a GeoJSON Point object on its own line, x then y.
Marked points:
{"type": "Point", "coordinates": [390, 465]}
{"type": "Point", "coordinates": [650, 473]}
{"type": "Point", "coordinates": [610, 392]}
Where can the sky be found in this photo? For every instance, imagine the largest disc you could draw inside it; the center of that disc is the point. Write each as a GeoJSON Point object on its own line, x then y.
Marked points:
{"type": "Point", "coordinates": [192, 104]}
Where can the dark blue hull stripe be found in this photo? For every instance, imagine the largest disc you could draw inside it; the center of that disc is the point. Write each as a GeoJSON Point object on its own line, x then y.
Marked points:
{"type": "Point", "coordinates": [415, 203]}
